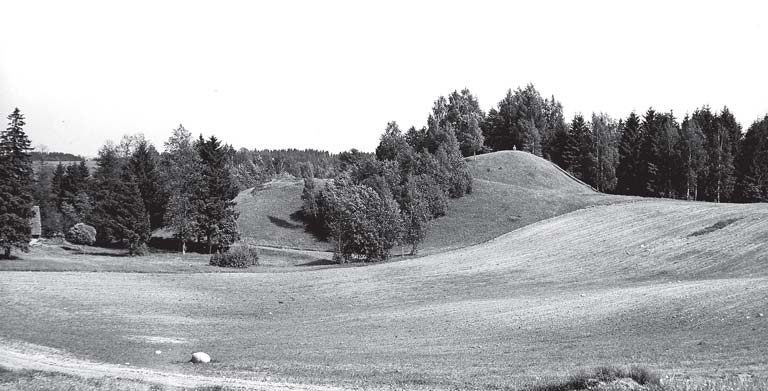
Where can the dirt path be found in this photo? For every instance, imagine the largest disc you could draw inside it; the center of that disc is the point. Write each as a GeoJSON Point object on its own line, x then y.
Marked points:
{"type": "Point", "coordinates": [312, 253]}
{"type": "Point", "coordinates": [19, 356]}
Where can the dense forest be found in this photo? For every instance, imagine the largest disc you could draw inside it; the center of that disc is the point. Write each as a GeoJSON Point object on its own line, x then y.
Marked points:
{"type": "Point", "coordinates": [376, 200]}
{"type": "Point", "coordinates": [706, 156]}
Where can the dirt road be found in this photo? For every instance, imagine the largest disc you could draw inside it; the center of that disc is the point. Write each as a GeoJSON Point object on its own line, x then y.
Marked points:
{"type": "Point", "coordinates": [19, 356]}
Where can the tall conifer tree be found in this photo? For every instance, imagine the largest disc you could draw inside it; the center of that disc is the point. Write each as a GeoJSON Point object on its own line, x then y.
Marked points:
{"type": "Point", "coordinates": [16, 186]}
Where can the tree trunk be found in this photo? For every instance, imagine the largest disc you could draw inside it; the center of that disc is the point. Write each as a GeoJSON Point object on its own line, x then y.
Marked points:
{"type": "Point", "coordinates": [718, 188]}
{"type": "Point", "coordinates": [183, 247]}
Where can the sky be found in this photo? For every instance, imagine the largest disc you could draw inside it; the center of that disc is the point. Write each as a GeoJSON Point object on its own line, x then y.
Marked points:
{"type": "Point", "coordinates": [331, 74]}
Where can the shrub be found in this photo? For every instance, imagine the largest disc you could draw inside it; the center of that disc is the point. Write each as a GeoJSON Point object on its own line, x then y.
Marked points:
{"type": "Point", "coordinates": [141, 249]}
{"type": "Point", "coordinates": [237, 257]}
{"type": "Point", "coordinates": [587, 380]}
{"type": "Point", "coordinates": [81, 234]}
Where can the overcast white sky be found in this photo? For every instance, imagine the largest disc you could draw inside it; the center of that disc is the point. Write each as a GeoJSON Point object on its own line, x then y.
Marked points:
{"type": "Point", "coordinates": [330, 75]}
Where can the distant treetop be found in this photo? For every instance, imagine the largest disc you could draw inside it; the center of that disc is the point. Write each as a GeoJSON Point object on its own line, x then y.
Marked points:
{"type": "Point", "coordinates": [55, 156]}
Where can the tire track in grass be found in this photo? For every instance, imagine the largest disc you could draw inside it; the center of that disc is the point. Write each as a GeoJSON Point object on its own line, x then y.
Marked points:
{"type": "Point", "coordinates": [20, 356]}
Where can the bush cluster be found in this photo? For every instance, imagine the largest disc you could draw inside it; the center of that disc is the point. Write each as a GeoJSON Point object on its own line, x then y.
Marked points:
{"type": "Point", "coordinates": [240, 257]}
{"type": "Point", "coordinates": [81, 234]}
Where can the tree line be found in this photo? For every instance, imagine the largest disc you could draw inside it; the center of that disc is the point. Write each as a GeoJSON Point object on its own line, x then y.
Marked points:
{"type": "Point", "coordinates": [188, 189]}
{"type": "Point", "coordinates": [705, 157]}
{"type": "Point", "coordinates": [252, 167]}
{"type": "Point", "coordinates": [377, 200]}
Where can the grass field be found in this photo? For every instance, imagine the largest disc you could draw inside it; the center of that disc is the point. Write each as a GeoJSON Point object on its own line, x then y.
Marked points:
{"type": "Point", "coordinates": [54, 256]}
{"type": "Point", "coordinates": [662, 284]}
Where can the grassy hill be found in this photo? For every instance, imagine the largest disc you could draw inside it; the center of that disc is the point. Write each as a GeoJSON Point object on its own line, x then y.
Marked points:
{"type": "Point", "coordinates": [511, 189]}
{"type": "Point", "coordinates": [674, 286]}
{"type": "Point", "coordinates": [524, 170]}
{"type": "Point", "coordinates": [266, 215]}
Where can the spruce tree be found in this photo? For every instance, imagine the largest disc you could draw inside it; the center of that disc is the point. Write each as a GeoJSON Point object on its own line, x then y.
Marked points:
{"type": "Point", "coordinates": [16, 186]}
{"type": "Point", "coordinates": [216, 214]}
{"type": "Point", "coordinates": [627, 179]}
{"type": "Point", "coordinates": [572, 150]}
{"type": "Point", "coordinates": [56, 184]}
{"type": "Point", "coordinates": [668, 167]}
{"type": "Point", "coordinates": [648, 168]}
{"type": "Point", "coordinates": [751, 164]}
{"type": "Point", "coordinates": [555, 132]}
{"type": "Point", "coordinates": [119, 213]}
{"type": "Point", "coordinates": [143, 165]}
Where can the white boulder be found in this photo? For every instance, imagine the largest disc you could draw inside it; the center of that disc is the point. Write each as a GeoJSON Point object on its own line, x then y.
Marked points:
{"type": "Point", "coordinates": [200, 358]}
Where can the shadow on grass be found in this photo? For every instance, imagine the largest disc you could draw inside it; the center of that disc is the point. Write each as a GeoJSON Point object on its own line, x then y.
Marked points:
{"type": "Point", "coordinates": [98, 252]}
{"type": "Point", "coordinates": [319, 262]}
{"type": "Point", "coordinates": [284, 223]}
{"type": "Point", "coordinates": [714, 227]}
{"type": "Point", "coordinates": [312, 225]}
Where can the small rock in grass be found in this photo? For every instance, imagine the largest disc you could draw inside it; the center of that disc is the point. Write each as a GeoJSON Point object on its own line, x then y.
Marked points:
{"type": "Point", "coordinates": [200, 358]}
{"type": "Point", "coordinates": [760, 315]}
{"type": "Point", "coordinates": [583, 295]}
{"type": "Point", "coordinates": [127, 363]}
{"type": "Point", "coordinates": [158, 352]}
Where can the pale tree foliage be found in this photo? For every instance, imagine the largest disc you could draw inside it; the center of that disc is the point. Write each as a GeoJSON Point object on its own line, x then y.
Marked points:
{"type": "Point", "coordinates": [415, 206]}
{"type": "Point", "coordinates": [360, 222]}
{"type": "Point", "coordinates": [182, 168]}
{"type": "Point", "coordinates": [465, 115]}
{"type": "Point", "coordinates": [693, 156]}
{"type": "Point", "coordinates": [524, 120]}
{"type": "Point", "coordinates": [605, 138]}
{"type": "Point", "coordinates": [128, 144]}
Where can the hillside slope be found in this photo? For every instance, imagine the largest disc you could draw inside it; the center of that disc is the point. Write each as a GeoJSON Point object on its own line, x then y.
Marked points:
{"type": "Point", "coordinates": [511, 189]}
{"type": "Point", "coordinates": [635, 240]}
{"type": "Point", "coordinates": [664, 284]}
{"type": "Point", "coordinates": [267, 215]}
{"type": "Point", "coordinates": [524, 170]}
